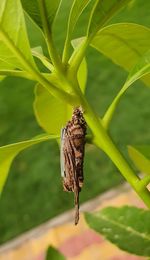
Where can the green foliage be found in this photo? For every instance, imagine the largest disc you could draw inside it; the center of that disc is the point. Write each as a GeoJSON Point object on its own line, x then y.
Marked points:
{"type": "Point", "coordinates": [38, 53]}
{"type": "Point", "coordinates": [63, 87]}
{"type": "Point", "coordinates": [33, 9]}
{"type": "Point", "coordinates": [9, 152]}
{"type": "Point", "coordinates": [14, 42]}
{"type": "Point", "coordinates": [128, 41]}
{"type": "Point", "coordinates": [140, 70]}
{"type": "Point", "coordinates": [78, 7]}
{"type": "Point", "coordinates": [103, 12]}
{"type": "Point", "coordinates": [46, 105]}
{"type": "Point", "coordinates": [127, 227]}
{"type": "Point", "coordinates": [53, 254]}
{"type": "Point", "coordinates": [140, 155]}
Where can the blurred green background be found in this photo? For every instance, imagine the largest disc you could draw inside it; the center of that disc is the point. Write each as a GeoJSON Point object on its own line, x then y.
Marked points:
{"type": "Point", "coordinates": [33, 192]}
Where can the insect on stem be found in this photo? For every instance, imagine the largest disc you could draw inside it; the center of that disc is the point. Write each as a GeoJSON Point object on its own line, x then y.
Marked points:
{"type": "Point", "coordinates": [72, 156]}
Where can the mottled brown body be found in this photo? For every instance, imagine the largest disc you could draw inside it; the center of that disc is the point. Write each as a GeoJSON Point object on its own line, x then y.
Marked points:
{"type": "Point", "coordinates": [73, 142]}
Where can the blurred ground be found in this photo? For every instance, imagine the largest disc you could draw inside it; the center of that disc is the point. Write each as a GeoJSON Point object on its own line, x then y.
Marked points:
{"type": "Point", "coordinates": [33, 192]}
{"type": "Point", "coordinates": [75, 242]}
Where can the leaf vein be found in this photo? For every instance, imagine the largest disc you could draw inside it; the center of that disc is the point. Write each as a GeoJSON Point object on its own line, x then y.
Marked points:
{"type": "Point", "coordinates": [125, 228]}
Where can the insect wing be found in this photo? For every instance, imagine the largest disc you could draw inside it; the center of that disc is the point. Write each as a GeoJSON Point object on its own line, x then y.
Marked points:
{"type": "Point", "coordinates": [62, 159]}
{"type": "Point", "coordinates": [69, 159]}
{"type": "Point", "coordinates": [71, 178]}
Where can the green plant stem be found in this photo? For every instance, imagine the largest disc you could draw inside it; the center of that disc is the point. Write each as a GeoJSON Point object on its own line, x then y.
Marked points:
{"type": "Point", "coordinates": [145, 181]}
{"type": "Point", "coordinates": [78, 56]}
{"type": "Point", "coordinates": [104, 142]}
{"type": "Point", "coordinates": [111, 109]}
{"type": "Point", "coordinates": [101, 138]}
{"type": "Point", "coordinates": [48, 34]}
{"type": "Point", "coordinates": [16, 73]}
{"type": "Point", "coordinates": [65, 56]}
{"type": "Point", "coordinates": [58, 93]}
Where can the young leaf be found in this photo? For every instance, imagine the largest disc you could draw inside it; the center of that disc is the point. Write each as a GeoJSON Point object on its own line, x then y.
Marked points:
{"type": "Point", "coordinates": [140, 70]}
{"type": "Point", "coordinates": [102, 12]}
{"type": "Point", "coordinates": [127, 227]}
{"type": "Point", "coordinates": [38, 53]}
{"type": "Point", "coordinates": [54, 254]}
{"type": "Point", "coordinates": [51, 113]}
{"type": "Point", "coordinates": [33, 10]}
{"type": "Point", "coordinates": [140, 155]}
{"type": "Point", "coordinates": [123, 43]}
{"type": "Point", "coordinates": [9, 152]}
{"type": "Point", "coordinates": [14, 42]}
{"type": "Point", "coordinates": [78, 7]}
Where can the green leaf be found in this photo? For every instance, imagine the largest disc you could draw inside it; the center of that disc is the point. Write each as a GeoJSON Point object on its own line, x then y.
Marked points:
{"type": "Point", "coordinates": [140, 155]}
{"type": "Point", "coordinates": [37, 50]}
{"type": "Point", "coordinates": [9, 152]}
{"type": "Point", "coordinates": [102, 12]}
{"type": "Point", "coordinates": [38, 53]}
{"type": "Point", "coordinates": [123, 43]}
{"type": "Point", "coordinates": [140, 70]}
{"type": "Point", "coordinates": [127, 227]}
{"type": "Point", "coordinates": [77, 8]}
{"type": "Point", "coordinates": [1, 78]}
{"type": "Point", "coordinates": [33, 10]}
{"type": "Point", "coordinates": [51, 113]}
{"type": "Point", "coordinates": [54, 254]}
{"type": "Point", "coordinates": [13, 36]}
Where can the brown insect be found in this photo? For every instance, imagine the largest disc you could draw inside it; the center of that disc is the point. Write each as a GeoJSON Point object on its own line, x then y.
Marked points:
{"type": "Point", "coordinates": [72, 155]}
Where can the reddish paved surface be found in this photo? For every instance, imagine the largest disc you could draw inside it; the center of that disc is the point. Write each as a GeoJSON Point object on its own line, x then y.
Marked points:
{"type": "Point", "coordinates": [73, 246]}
